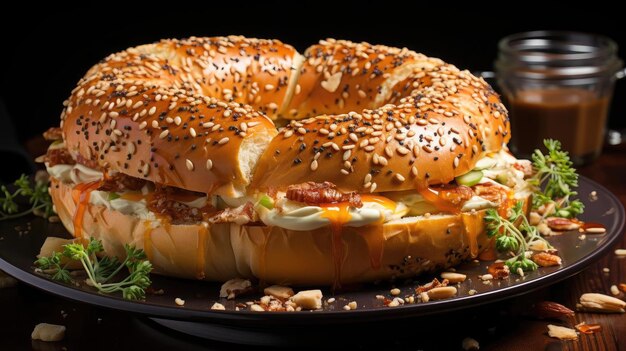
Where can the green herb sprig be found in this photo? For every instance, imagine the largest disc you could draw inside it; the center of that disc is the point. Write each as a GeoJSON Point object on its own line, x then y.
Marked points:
{"type": "Point", "coordinates": [36, 192]}
{"type": "Point", "coordinates": [513, 234]}
{"type": "Point", "coordinates": [100, 271]}
{"type": "Point", "coordinates": [558, 179]}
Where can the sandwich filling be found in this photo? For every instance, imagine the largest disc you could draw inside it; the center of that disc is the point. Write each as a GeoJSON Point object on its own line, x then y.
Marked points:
{"type": "Point", "coordinates": [497, 180]}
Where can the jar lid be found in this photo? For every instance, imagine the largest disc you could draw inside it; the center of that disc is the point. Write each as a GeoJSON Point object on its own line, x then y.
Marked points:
{"type": "Point", "coordinates": [557, 55]}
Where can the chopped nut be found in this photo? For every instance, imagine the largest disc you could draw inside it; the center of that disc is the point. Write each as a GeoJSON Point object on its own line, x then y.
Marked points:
{"type": "Point", "coordinates": [346, 308]}
{"type": "Point", "coordinates": [545, 259]}
{"type": "Point", "coordinates": [352, 305]}
{"type": "Point", "coordinates": [308, 299]}
{"type": "Point", "coordinates": [380, 297]}
{"type": "Point", "coordinates": [443, 292]}
{"type": "Point", "coordinates": [179, 301]}
{"type": "Point", "coordinates": [396, 302]}
{"type": "Point", "coordinates": [257, 308]}
{"type": "Point", "coordinates": [424, 296]}
{"type": "Point", "coordinates": [433, 284]}
{"type": "Point", "coordinates": [48, 332]}
{"type": "Point", "coordinates": [544, 229]}
{"type": "Point", "coordinates": [331, 300]}
{"type": "Point", "coordinates": [606, 270]}
{"type": "Point", "coordinates": [535, 218]}
{"type": "Point", "coordinates": [538, 245]}
{"type": "Point", "coordinates": [601, 303]}
{"type": "Point", "coordinates": [395, 292]}
{"type": "Point", "coordinates": [453, 277]}
{"type": "Point", "coordinates": [279, 292]}
{"type": "Point", "coordinates": [614, 290]}
{"type": "Point", "coordinates": [470, 344]}
{"type": "Point", "coordinates": [562, 224]}
{"type": "Point", "coordinates": [235, 287]}
{"type": "Point", "coordinates": [596, 230]}
{"type": "Point", "coordinates": [622, 287]}
{"type": "Point", "coordinates": [472, 292]}
{"type": "Point", "coordinates": [562, 333]}
{"type": "Point", "coordinates": [498, 270]}
{"type": "Point", "coordinates": [551, 310]}
{"type": "Point", "coordinates": [265, 300]}
{"type": "Point", "coordinates": [218, 306]}
{"type": "Point", "coordinates": [486, 277]}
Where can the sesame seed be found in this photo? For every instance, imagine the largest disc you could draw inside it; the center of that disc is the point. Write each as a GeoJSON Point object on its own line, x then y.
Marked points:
{"type": "Point", "coordinates": [388, 151]}
{"type": "Point", "coordinates": [368, 178]}
{"type": "Point", "coordinates": [142, 125]}
{"type": "Point", "coordinates": [209, 164]}
{"type": "Point", "coordinates": [189, 164]}
{"type": "Point", "coordinates": [269, 87]}
{"type": "Point", "coordinates": [178, 120]}
{"type": "Point", "coordinates": [314, 165]}
{"type": "Point", "coordinates": [373, 187]}
{"type": "Point", "coordinates": [346, 155]}
{"type": "Point", "coordinates": [414, 171]}
{"type": "Point", "coordinates": [288, 133]}
{"type": "Point", "coordinates": [227, 113]}
{"type": "Point", "coordinates": [427, 148]}
{"type": "Point", "coordinates": [114, 114]}
{"type": "Point", "coordinates": [369, 148]}
{"type": "Point", "coordinates": [455, 163]}
{"type": "Point", "coordinates": [402, 150]}
{"type": "Point", "coordinates": [343, 171]}
{"type": "Point", "coordinates": [301, 130]}
{"type": "Point", "coordinates": [208, 124]}
{"type": "Point", "coordinates": [353, 137]}
{"type": "Point", "coordinates": [164, 134]}
{"type": "Point", "coordinates": [152, 110]}
{"type": "Point", "coordinates": [155, 124]}
{"type": "Point", "coordinates": [223, 141]}
{"type": "Point", "coordinates": [400, 177]}
{"type": "Point", "coordinates": [192, 132]}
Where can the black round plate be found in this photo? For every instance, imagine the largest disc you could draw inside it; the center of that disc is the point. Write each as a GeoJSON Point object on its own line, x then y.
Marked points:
{"type": "Point", "coordinates": [20, 241]}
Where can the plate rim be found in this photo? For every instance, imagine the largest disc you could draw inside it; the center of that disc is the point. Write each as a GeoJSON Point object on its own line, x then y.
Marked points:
{"type": "Point", "coordinates": [333, 316]}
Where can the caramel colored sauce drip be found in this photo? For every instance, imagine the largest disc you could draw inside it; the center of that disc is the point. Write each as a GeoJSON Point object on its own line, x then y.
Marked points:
{"type": "Point", "coordinates": [201, 253]}
{"type": "Point", "coordinates": [442, 205]}
{"type": "Point", "coordinates": [338, 215]}
{"type": "Point", "coordinates": [80, 195]}
{"type": "Point", "coordinates": [473, 228]}
{"type": "Point", "coordinates": [147, 240]}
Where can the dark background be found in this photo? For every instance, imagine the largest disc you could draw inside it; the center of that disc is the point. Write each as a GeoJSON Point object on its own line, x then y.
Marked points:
{"type": "Point", "coordinates": [43, 56]}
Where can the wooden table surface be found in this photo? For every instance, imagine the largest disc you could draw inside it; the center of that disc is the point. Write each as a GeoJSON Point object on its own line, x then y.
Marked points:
{"type": "Point", "coordinates": [500, 326]}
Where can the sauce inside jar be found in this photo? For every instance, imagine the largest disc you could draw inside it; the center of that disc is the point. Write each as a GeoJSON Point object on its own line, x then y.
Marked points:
{"type": "Point", "coordinates": [575, 117]}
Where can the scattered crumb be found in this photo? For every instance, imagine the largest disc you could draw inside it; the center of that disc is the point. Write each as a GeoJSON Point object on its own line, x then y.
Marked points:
{"type": "Point", "coordinates": [308, 299]}
{"type": "Point", "coordinates": [472, 292]}
{"type": "Point", "coordinates": [485, 276]}
{"type": "Point", "coordinates": [218, 306]}
{"type": "Point", "coordinates": [279, 292]}
{"type": "Point", "coordinates": [606, 270]}
{"type": "Point", "coordinates": [620, 252]}
{"type": "Point", "coordinates": [582, 237]}
{"type": "Point", "coordinates": [424, 296]}
{"type": "Point", "coordinates": [235, 287]}
{"type": "Point", "coordinates": [614, 290]}
{"type": "Point", "coordinates": [395, 291]}
{"type": "Point", "coordinates": [256, 308]}
{"type": "Point", "coordinates": [346, 307]}
{"type": "Point", "coordinates": [179, 301]}
{"type": "Point", "coordinates": [380, 297]}
{"type": "Point", "coordinates": [520, 271]}
{"type": "Point", "coordinates": [48, 332]}
{"type": "Point", "coordinates": [331, 300]}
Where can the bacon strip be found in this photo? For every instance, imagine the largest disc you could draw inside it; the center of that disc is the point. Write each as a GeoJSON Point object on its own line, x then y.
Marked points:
{"type": "Point", "coordinates": [321, 193]}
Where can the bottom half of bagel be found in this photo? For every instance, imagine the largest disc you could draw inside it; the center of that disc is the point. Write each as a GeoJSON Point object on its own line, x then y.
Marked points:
{"type": "Point", "coordinates": [218, 252]}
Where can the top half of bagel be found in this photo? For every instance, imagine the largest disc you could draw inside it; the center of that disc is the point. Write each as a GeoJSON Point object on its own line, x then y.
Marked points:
{"type": "Point", "coordinates": [197, 113]}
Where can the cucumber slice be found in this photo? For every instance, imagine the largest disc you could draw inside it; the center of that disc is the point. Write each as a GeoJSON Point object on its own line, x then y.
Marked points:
{"type": "Point", "coordinates": [266, 202]}
{"type": "Point", "coordinates": [113, 196]}
{"type": "Point", "coordinates": [484, 163]}
{"type": "Point", "coordinates": [470, 178]}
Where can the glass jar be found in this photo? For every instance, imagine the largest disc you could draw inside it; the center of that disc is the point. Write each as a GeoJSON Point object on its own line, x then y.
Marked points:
{"type": "Point", "coordinates": [557, 85]}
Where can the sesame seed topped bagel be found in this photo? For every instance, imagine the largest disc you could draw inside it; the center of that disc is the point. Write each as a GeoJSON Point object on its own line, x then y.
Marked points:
{"type": "Point", "coordinates": [173, 147]}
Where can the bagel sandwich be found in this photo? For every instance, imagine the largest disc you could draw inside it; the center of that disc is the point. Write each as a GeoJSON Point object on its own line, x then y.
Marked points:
{"type": "Point", "coordinates": [383, 169]}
